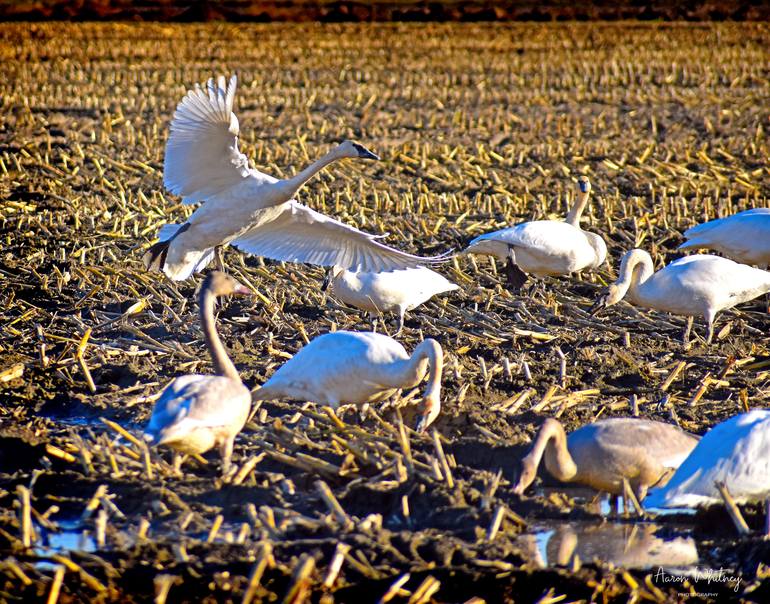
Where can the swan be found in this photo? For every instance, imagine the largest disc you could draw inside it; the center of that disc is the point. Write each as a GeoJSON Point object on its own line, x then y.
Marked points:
{"type": "Point", "coordinates": [744, 237]}
{"type": "Point", "coordinates": [197, 412]}
{"type": "Point", "coordinates": [545, 247]}
{"type": "Point", "coordinates": [396, 291]}
{"type": "Point", "coordinates": [601, 454]}
{"type": "Point", "coordinates": [735, 452]}
{"type": "Point", "coordinates": [349, 367]}
{"type": "Point", "coordinates": [694, 285]}
{"type": "Point", "coordinates": [245, 208]}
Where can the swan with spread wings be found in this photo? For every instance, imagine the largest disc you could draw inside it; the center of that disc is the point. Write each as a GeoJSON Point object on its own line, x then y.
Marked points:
{"type": "Point", "coordinates": [246, 208]}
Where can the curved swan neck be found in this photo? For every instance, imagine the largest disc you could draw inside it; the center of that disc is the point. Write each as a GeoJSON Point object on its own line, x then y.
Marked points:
{"type": "Point", "coordinates": [635, 268]}
{"type": "Point", "coordinates": [294, 183]}
{"type": "Point", "coordinates": [429, 349]}
{"type": "Point", "coordinates": [222, 364]}
{"type": "Point", "coordinates": [552, 442]}
{"type": "Point", "coordinates": [576, 211]}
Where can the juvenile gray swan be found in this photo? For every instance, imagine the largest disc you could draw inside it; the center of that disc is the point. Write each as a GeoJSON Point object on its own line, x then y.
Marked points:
{"type": "Point", "coordinates": [601, 454]}
{"type": "Point", "coordinates": [198, 412]}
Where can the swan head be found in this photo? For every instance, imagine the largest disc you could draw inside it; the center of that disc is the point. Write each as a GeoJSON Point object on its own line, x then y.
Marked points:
{"type": "Point", "coordinates": [220, 284]}
{"type": "Point", "coordinates": [584, 185]}
{"type": "Point", "coordinates": [431, 409]}
{"type": "Point", "coordinates": [612, 295]}
{"type": "Point", "coordinates": [355, 150]}
{"type": "Point", "coordinates": [526, 475]}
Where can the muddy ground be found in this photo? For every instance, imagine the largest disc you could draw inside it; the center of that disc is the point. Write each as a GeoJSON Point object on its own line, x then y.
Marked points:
{"type": "Point", "coordinates": [479, 126]}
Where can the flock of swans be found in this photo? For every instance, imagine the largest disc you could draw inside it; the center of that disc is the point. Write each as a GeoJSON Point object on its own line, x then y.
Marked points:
{"type": "Point", "coordinates": [256, 213]}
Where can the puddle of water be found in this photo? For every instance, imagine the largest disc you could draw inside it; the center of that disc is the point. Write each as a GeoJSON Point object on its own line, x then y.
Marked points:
{"type": "Point", "coordinates": [70, 537]}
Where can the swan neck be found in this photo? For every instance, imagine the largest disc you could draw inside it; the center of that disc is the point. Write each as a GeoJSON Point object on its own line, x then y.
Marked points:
{"type": "Point", "coordinates": [576, 211]}
{"type": "Point", "coordinates": [294, 183]}
{"type": "Point", "coordinates": [222, 364]}
{"type": "Point", "coordinates": [635, 269]}
{"type": "Point", "coordinates": [429, 349]}
{"type": "Point", "coordinates": [552, 442]}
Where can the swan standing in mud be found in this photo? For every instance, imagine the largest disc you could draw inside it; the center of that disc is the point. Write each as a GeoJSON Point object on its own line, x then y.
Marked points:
{"type": "Point", "coordinates": [391, 291]}
{"type": "Point", "coordinates": [246, 208]}
{"type": "Point", "coordinates": [699, 285]}
{"type": "Point", "coordinates": [198, 412]}
{"type": "Point", "coordinates": [744, 237]}
{"type": "Point", "coordinates": [347, 367]}
{"type": "Point", "coordinates": [736, 453]}
{"type": "Point", "coordinates": [601, 454]}
{"type": "Point", "coordinates": [545, 247]}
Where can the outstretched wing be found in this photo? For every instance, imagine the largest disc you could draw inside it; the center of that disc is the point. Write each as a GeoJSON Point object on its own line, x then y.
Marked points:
{"type": "Point", "coordinates": [299, 234]}
{"type": "Point", "coordinates": [202, 156]}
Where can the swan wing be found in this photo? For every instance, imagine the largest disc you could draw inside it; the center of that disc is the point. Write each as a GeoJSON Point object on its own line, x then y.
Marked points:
{"type": "Point", "coordinates": [726, 222]}
{"type": "Point", "coordinates": [201, 400]}
{"type": "Point", "coordinates": [202, 156]}
{"type": "Point", "coordinates": [300, 234]}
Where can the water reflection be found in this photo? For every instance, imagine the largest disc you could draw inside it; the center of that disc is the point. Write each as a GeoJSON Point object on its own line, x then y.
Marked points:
{"type": "Point", "coordinates": [639, 546]}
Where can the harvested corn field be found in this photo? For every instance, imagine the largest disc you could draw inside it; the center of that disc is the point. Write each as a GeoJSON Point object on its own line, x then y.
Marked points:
{"type": "Point", "coordinates": [479, 127]}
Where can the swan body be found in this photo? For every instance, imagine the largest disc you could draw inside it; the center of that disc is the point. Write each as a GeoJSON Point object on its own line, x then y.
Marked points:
{"type": "Point", "coordinates": [346, 367]}
{"type": "Point", "coordinates": [545, 247]}
{"type": "Point", "coordinates": [198, 412]}
{"type": "Point", "coordinates": [735, 452]}
{"type": "Point", "coordinates": [246, 208]}
{"type": "Point", "coordinates": [744, 237]}
{"type": "Point", "coordinates": [601, 454]}
{"type": "Point", "coordinates": [391, 291]}
{"type": "Point", "coordinates": [698, 285]}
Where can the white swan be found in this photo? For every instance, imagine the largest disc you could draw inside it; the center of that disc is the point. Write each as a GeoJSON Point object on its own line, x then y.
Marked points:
{"type": "Point", "coordinates": [735, 452]}
{"type": "Point", "coordinates": [396, 291]}
{"type": "Point", "coordinates": [691, 286]}
{"type": "Point", "coordinates": [601, 454]}
{"type": "Point", "coordinates": [347, 367]}
{"type": "Point", "coordinates": [744, 237]}
{"type": "Point", "coordinates": [545, 247]}
{"type": "Point", "coordinates": [198, 412]}
{"type": "Point", "coordinates": [245, 208]}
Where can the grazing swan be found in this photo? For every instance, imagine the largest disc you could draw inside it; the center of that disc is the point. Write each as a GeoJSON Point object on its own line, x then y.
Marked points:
{"type": "Point", "coordinates": [396, 291]}
{"type": "Point", "coordinates": [197, 412]}
{"type": "Point", "coordinates": [735, 452]}
{"type": "Point", "coordinates": [348, 367]}
{"type": "Point", "coordinates": [690, 286]}
{"type": "Point", "coordinates": [744, 237]}
{"type": "Point", "coordinates": [243, 207]}
{"type": "Point", "coordinates": [545, 247]}
{"type": "Point", "coordinates": [601, 454]}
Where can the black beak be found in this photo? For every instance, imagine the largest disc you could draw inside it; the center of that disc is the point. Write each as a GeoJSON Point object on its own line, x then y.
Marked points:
{"type": "Point", "coordinates": [327, 279]}
{"type": "Point", "coordinates": [601, 302]}
{"type": "Point", "coordinates": [364, 153]}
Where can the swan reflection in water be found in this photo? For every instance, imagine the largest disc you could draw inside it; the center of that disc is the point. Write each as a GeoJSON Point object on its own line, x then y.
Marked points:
{"type": "Point", "coordinates": [637, 546]}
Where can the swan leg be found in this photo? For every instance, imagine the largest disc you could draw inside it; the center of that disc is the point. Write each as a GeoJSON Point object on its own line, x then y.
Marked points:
{"type": "Point", "coordinates": [178, 459]}
{"type": "Point", "coordinates": [515, 276]}
{"type": "Point", "coordinates": [687, 330]}
{"type": "Point", "coordinates": [710, 333]}
{"type": "Point", "coordinates": [400, 322]}
{"type": "Point", "coordinates": [220, 258]}
{"type": "Point", "coordinates": [767, 517]}
{"type": "Point", "coordinates": [373, 318]}
{"type": "Point", "coordinates": [614, 502]}
{"type": "Point", "coordinates": [226, 451]}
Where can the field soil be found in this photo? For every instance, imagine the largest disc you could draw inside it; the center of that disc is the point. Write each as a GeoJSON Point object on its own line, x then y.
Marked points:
{"type": "Point", "coordinates": [479, 126]}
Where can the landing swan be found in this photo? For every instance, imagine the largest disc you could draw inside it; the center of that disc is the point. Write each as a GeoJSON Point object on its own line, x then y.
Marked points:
{"type": "Point", "coordinates": [691, 286]}
{"type": "Point", "coordinates": [347, 367]}
{"type": "Point", "coordinates": [601, 454]}
{"type": "Point", "coordinates": [545, 247]}
{"type": "Point", "coordinates": [744, 237]}
{"type": "Point", "coordinates": [396, 291]}
{"type": "Point", "coordinates": [197, 412]}
{"type": "Point", "coordinates": [735, 452]}
{"type": "Point", "coordinates": [245, 208]}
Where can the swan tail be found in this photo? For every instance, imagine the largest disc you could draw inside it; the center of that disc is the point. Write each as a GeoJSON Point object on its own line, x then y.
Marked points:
{"type": "Point", "coordinates": [193, 261]}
